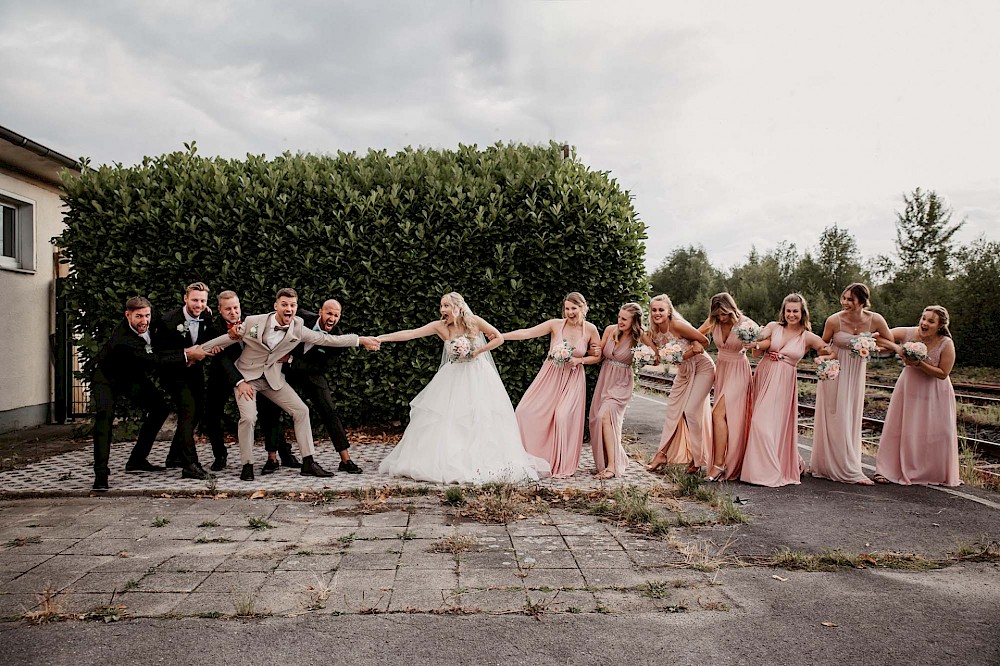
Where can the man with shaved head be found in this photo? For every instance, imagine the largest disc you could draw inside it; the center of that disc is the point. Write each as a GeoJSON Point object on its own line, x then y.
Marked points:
{"type": "Point", "coordinates": [305, 371]}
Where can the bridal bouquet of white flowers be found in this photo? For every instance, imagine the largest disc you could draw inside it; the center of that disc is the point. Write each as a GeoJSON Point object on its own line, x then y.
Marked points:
{"type": "Point", "coordinates": [459, 349]}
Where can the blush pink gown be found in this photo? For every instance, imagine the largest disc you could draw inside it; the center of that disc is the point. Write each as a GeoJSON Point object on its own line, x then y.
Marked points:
{"type": "Point", "coordinates": [611, 397]}
{"type": "Point", "coordinates": [733, 381]}
{"type": "Point", "coordinates": [919, 441]}
{"type": "Point", "coordinates": [552, 411]}
{"type": "Point", "coordinates": [772, 456]}
{"type": "Point", "coordinates": [687, 429]}
{"type": "Point", "coordinates": [840, 404]}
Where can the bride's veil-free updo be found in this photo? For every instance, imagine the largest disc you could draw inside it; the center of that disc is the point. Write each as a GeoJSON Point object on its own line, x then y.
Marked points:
{"type": "Point", "coordinates": [465, 321]}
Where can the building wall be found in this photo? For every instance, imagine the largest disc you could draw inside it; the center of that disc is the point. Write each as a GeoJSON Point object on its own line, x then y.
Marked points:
{"type": "Point", "coordinates": [27, 304]}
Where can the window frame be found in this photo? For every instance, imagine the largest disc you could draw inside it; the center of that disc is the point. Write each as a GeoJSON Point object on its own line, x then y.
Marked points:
{"type": "Point", "coordinates": [23, 260]}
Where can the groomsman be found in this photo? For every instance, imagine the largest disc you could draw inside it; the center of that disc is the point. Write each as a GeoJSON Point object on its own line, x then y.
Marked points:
{"type": "Point", "coordinates": [184, 329]}
{"type": "Point", "coordinates": [267, 339]}
{"type": "Point", "coordinates": [123, 367]}
{"type": "Point", "coordinates": [306, 371]}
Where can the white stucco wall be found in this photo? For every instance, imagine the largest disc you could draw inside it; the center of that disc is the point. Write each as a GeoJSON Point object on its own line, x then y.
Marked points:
{"type": "Point", "coordinates": [27, 304]}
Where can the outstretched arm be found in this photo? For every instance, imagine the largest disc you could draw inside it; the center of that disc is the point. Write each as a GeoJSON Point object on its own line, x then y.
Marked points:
{"type": "Point", "coordinates": [433, 328]}
{"type": "Point", "coordinates": [533, 332]}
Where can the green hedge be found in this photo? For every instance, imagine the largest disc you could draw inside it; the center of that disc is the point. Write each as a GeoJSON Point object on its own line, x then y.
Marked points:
{"type": "Point", "coordinates": [511, 227]}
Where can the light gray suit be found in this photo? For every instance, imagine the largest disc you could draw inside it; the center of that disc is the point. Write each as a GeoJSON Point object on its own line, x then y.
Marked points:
{"type": "Point", "coordinates": [259, 366]}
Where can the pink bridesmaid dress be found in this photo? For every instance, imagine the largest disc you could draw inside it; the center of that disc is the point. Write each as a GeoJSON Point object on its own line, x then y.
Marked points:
{"type": "Point", "coordinates": [772, 455]}
{"type": "Point", "coordinates": [552, 411]}
{"type": "Point", "coordinates": [687, 429]}
{"type": "Point", "coordinates": [733, 383]}
{"type": "Point", "coordinates": [840, 404]}
{"type": "Point", "coordinates": [611, 397]}
{"type": "Point", "coordinates": [919, 441]}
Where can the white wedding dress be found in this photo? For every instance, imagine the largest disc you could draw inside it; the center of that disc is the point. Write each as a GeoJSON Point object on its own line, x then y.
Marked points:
{"type": "Point", "coordinates": [462, 428]}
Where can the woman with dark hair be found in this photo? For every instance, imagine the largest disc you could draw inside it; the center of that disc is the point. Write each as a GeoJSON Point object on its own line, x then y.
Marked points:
{"type": "Point", "coordinates": [552, 411]}
{"type": "Point", "coordinates": [687, 430]}
{"type": "Point", "coordinates": [919, 442]}
{"type": "Point", "coordinates": [733, 381]}
{"type": "Point", "coordinates": [840, 402]}
{"type": "Point", "coordinates": [614, 390]}
{"type": "Point", "coordinates": [772, 456]}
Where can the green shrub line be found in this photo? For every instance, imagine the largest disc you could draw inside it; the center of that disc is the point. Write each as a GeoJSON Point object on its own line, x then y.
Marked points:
{"type": "Point", "coordinates": [512, 227]}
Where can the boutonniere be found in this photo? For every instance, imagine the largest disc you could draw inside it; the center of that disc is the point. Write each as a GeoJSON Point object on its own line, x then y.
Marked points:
{"type": "Point", "coordinates": [149, 349]}
{"type": "Point", "coordinates": [253, 331]}
{"type": "Point", "coordinates": [185, 327]}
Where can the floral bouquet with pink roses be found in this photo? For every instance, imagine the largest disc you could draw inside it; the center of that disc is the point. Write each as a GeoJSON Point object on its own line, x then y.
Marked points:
{"type": "Point", "coordinates": [561, 354]}
{"type": "Point", "coordinates": [747, 331]}
{"type": "Point", "coordinates": [863, 345]}
{"type": "Point", "coordinates": [914, 351]}
{"type": "Point", "coordinates": [672, 353]}
{"type": "Point", "coordinates": [828, 369]}
{"type": "Point", "coordinates": [459, 349]}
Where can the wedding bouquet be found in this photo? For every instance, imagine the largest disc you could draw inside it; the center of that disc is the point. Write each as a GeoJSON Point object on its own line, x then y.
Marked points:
{"type": "Point", "coordinates": [828, 369]}
{"type": "Point", "coordinates": [672, 353]}
{"type": "Point", "coordinates": [863, 345]}
{"type": "Point", "coordinates": [747, 331]}
{"type": "Point", "coordinates": [642, 355]}
{"type": "Point", "coordinates": [459, 349]}
{"type": "Point", "coordinates": [562, 353]}
{"type": "Point", "coordinates": [915, 351]}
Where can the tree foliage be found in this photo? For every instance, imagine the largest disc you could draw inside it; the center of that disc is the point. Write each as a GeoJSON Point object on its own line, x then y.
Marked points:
{"type": "Point", "coordinates": [511, 227]}
{"type": "Point", "coordinates": [924, 234]}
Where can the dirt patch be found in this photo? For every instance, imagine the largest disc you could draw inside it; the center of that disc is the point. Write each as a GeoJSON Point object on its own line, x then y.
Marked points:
{"type": "Point", "coordinates": [25, 447]}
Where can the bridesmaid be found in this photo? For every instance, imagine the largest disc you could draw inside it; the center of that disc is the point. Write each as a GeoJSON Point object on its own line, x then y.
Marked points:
{"type": "Point", "coordinates": [687, 430]}
{"type": "Point", "coordinates": [772, 455]}
{"type": "Point", "coordinates": [920, 438]}
{"type": "Point", "coordinates": [552, 411]}
{"type": "Point", "coordinates": [614, 390]}
{"type": "Point", "coordinates": [840, 402]}
{"type": "Point", "coordinates": [733, 381]}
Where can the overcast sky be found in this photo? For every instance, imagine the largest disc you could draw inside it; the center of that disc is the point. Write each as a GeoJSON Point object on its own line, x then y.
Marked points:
{"type": "Point", "coordinates": [732, 123]}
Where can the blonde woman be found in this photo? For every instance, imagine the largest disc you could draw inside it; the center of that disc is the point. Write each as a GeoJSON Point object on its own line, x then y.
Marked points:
{"type": "Point", "coordinates": [733, 381]}
{"type": "Point", "coordinates": [687, 429]}
{"type": "Point", "coordinates": [552, 411]}
{"type": "Point", "coordinates": [614, 390]}
{"type": "Point", "coordinates": [462, 426]}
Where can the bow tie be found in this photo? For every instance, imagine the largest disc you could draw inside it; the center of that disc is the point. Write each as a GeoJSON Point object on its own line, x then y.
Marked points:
{"type": "Point", "coordinates": [192, 321]}
{"type": "Point", "coordinates": [281, 328]}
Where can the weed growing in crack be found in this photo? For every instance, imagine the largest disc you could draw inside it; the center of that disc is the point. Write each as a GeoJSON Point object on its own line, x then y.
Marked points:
{"type": "Point", "coordinates": [454, 544]}
{"type": "Point", "coordinates": [160, 522]}
{"type": "Point", "coordinates": [258, 523]}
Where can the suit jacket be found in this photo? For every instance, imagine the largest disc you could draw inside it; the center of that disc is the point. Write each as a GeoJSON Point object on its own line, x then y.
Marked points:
{"type": "Point", "coordinates": [170, 341]}
{"type": "Point", "coordinates": [318, 360]}
{"type": "Point", "coordinates": [258, 360]}
{"type": "Point", "coordinates": [125, 358]}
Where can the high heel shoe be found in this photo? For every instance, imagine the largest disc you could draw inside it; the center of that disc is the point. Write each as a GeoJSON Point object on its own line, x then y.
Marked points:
{"type": "Point", "coordinates": [718, 475]}
{"type": "Point", "coordinates": [653, 465]}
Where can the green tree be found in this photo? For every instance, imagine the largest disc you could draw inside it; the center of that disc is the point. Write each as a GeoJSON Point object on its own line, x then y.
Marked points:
{"type": "Point", "coordinates": [688, 277]}
{"type": "Point", "coordinates": [975, 308]}
{"type": "Point", "coordinates": [760, 284]}
{"type": "Point", "coordinates": [924, 234]}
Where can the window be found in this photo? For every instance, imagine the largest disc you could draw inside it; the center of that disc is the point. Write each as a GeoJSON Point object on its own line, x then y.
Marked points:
{"type": "Point", "coordinates": [17, 235]}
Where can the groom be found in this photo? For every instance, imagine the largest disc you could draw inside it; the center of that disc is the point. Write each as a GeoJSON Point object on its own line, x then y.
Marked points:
{"type": "Point", "coordinates": [267, 339]}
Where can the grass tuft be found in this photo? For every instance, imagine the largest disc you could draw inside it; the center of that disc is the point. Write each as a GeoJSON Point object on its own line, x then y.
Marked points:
{"type": "Point", "coordinates": [454, 496]}
{"type": "Point", "coordinates": [160, 521]}
{"type": "Point", "coordinates": [258, 523]}
{"type": "Point", "coordinates": [454, 544]}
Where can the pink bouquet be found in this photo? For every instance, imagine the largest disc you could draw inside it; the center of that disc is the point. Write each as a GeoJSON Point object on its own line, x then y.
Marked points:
{"type": "Point", "coordinates": [459, 349]}
{"type": "Point", "coordinates": [672, 353]}
{"type": "Point", "coordinates": [562, 353]}
{"type": "Point", "coordinates": [828, 369]}
{"type": "Point", "coordinates": [863, 345]}
{"type": "Point", "coordinates": [915, 351]}
{"type": "Point", "coordinates": [642, 355]}
{"type": "Point", "coordinates": [747, 331]}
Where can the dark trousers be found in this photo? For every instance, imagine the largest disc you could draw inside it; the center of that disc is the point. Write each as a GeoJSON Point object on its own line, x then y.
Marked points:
{"type": "Point", "coordinates": [217, 396]}
{"type": "Point", "coordinates": [315, 390]}
{"type": "Point", "coordinates": [188, 395]}
{"type": "Point", "coordinates": [143, 394]}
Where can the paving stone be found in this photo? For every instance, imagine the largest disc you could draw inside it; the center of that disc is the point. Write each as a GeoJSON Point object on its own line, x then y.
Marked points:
{"type": "Point", "coordinates": [231, 582]}
{"type": "Point", "coordinates": [64, 563]}
{"type": "Point", "coordinates": [363, 579]}
{"type": "Point", "coordinates": [378, 532]}
{"type": "Point", "coordinates": [82, 602]}
{"type": "Point", "coordinates": [588, 559]}
{"type": "Point", "coordinates": [34, 583]}
{"type": "Point", "coordinates": [625, 602]}
{"type": "Point", "coordinates": [99, 546]}
{"type": "Point", "coordinates": [16, 604]}
{"type": "Point", "coordinates": [494, 601]}
{"type": "Point", "coordinates": [298, 582]}
{"type": "Point", "coordinates": [375, 546]}
{"type": "Point", "coordinates": [105, 582]}
{"type": "Point", "coordinates": [13, 561]}
{"type": "Point", "coordinates": [520, 529]}
{"type": "Point", "coordinates": [386, 519]}
{"type": "Point", "coordinates": [425, 579]}
{"type": "Point", "coordinates": [489, 577]}
{"type": "Point", "coordinates": [423, 559]}
{"type": "Point", "coordinates": [537, 578]}
{"type": "Point", "coordinates": [171, 582]}
{"type": "Point", "coordinates": [613, 577]}
{"type": "Point", "coordinates": [497, 559]}
{"type": "Point", "coordinates": [133, 564]}
{"type": "Point", "coordinates": [317, 563]}
{"type": "Point", "coordinates": [422, 600]}
{"type": "Point", "coordinates": [251, 563]}
{"type": "Point", "coordinates": [44, 547]}
{"type": "Point", "coordinates": [149, 604]}
{"type": "Point", "coordinates": [365, 561]}
{"type": "Point", "coordinates": [432, 531]}
{"type": "Point", "coordinates": [196, 604]}
{"type": "Point", "coordinates": [564, 601]}
{"type": "Point", "coordinates": [193, 563]}
{"type": "Point", "coordinates": [359, 600]}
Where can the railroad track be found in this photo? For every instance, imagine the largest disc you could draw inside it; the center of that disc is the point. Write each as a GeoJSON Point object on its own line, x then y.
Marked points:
{"type": "Point", "coordinates": [660, 382]}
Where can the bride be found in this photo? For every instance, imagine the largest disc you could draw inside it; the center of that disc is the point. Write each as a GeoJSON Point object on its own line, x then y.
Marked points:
{"type": "Point", "coordinates": [462, 425]}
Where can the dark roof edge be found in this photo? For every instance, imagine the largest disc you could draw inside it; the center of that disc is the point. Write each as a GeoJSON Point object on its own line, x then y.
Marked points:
{"type": "Point", "coordinates": [38, 149]}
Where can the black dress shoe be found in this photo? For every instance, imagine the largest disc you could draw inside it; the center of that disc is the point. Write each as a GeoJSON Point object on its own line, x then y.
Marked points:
{"type": "Point", "coordinates": [247, 473]}
{"type": "Point", "coordinates": [173, 463]}
{"type": "Point", "coordinates": [312, 468]}
{"type": "Point", "coordinates": [142, 466]}
{"type": "Point", "coordinates": [349, 467]}
{"type": "Point", "coordinates": [195, 471]}
{"type": "Point", "coordinates": [219, 464]}
{"type": "Point", "coordinates": [270, 467]}
{"type": "Point", "coordinates": [290, 461]}
{"type": "Point", "coordinates": [101, 482]}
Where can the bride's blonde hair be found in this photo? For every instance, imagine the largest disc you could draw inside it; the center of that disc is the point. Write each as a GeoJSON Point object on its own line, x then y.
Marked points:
{"type": "Point", "coordinates": [465, 320]}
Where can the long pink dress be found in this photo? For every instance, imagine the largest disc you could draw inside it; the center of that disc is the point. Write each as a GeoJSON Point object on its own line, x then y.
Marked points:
{"type": "Point", "coordinates": [611, 397]}
{"type": "Point", "coordinates": [687, 429]}
{"type": "Point", "coordinates": [552, 411]}
{"type": "Point", "coordinates": [840, 404]}
{"type": "Point", "coordinates": [772, 456]}
{"type": "Point", "coordinates": [919, 441]}
{"type": "Point", "coordinates": [733, 381]}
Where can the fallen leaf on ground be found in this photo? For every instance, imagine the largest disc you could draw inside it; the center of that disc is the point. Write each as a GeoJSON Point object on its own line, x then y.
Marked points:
{"type": "Point", "coordinates": [777, 577]}
{"type": "Point", "coordinates": [258, 494]}
{"type": "Point", "coordinates": [828, 624]}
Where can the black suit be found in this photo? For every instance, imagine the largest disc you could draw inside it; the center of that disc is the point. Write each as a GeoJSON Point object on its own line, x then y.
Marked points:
{"type": "Point", "coordinates": [123, 367]}
{"type": "Point", "coordinates": [185, 383]}
{"type": "Point", "coordinates": [306, 373]}
{"type": "Point", "coordinates": [222, 379]}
